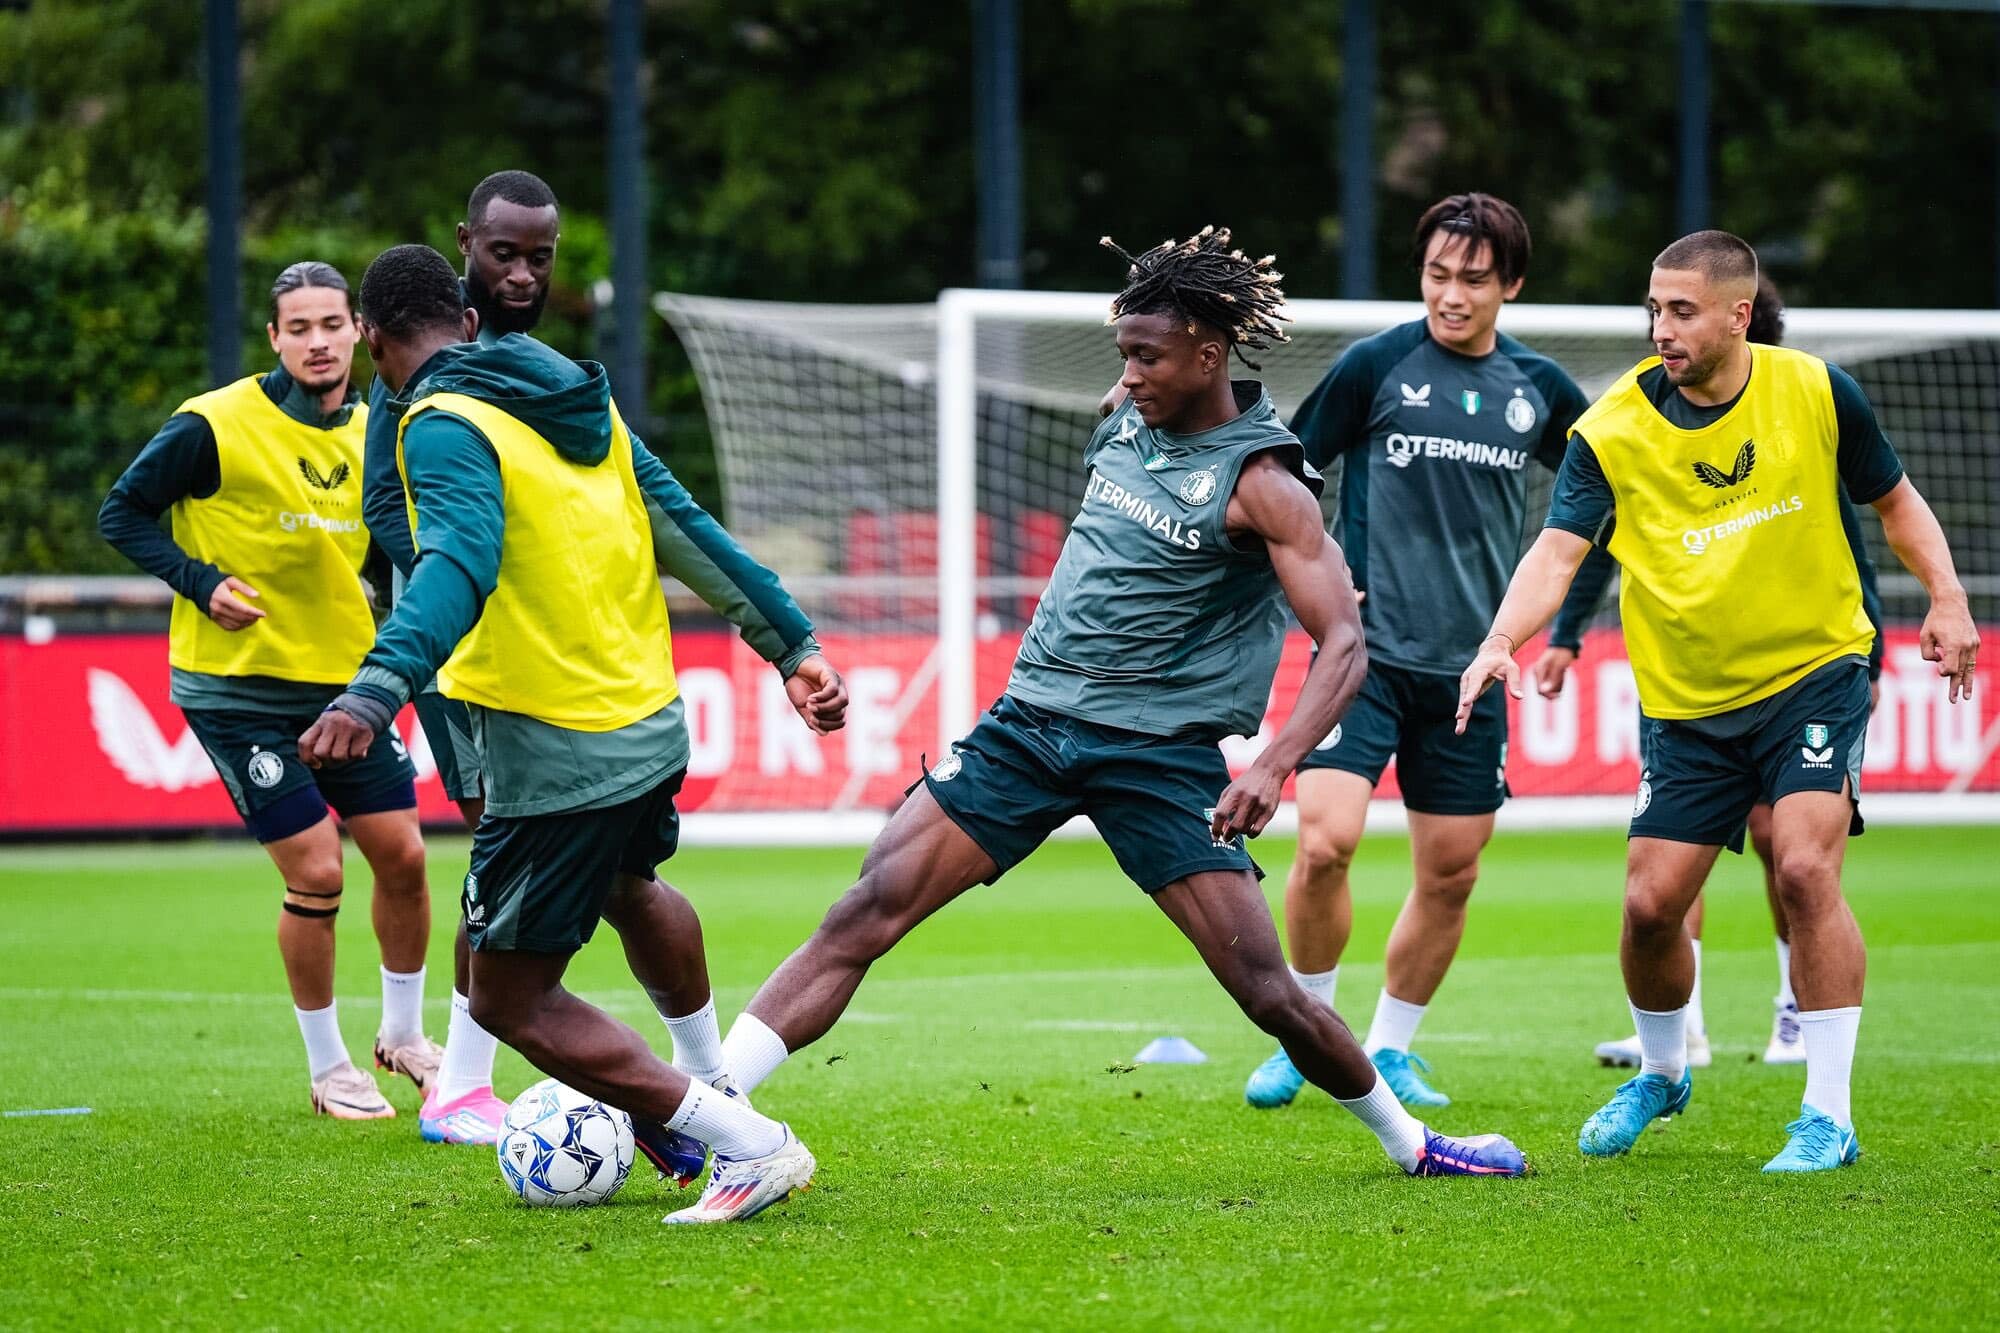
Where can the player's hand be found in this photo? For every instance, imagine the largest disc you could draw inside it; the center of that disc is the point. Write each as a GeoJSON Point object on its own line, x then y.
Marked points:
{"type": "Point", "coordinates": [1551, 669]}
{"type": "Point", "coordinates": [1950, 639]}
{"type": "Point", "coordinates": [1495, 662]}
{"type": "Point", "coordinates": [334, 738]}
{"type": "Point", "coordinates": [819, 694]}
{"type": "Point", "coordinates": [1247, 804]}
{"type": "Point", "coordinates": [230, 611]}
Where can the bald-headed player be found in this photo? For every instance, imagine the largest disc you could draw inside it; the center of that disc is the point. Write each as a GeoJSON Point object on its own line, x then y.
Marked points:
{"type": "Point", "coordinates": [1712, 474]}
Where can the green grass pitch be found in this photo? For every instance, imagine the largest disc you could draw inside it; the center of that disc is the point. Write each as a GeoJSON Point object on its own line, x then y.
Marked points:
{"type": "Point", "coordinates": [985, 1157]}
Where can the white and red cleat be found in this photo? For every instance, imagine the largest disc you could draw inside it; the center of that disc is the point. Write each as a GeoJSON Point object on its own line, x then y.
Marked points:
{"type": "Point", "coordinates": [740, 1189]}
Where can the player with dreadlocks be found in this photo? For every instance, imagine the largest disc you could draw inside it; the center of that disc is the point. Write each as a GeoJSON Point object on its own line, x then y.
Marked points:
{"type": "Point", "coordinates": [1158, 636]}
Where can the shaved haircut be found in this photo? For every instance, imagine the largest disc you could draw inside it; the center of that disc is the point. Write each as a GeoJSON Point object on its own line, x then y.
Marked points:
{"type": "Point", "coordinates": [1716, 255]}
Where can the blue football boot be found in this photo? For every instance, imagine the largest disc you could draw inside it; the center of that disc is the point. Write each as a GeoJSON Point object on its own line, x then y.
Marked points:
{"type": "Point", "coordinates": [1274, 1083]}
{"type": "Point", "coordinates": [1640, 1101]}
{"type": "Point", "coordinates": [1478, 1155]}
{"type": "Point", "coordinates": [1817, 1144]}
{"type": "Point", "coordinates": [673, 1154]}
{"type": "Point", "coordinates": [1403, 1080]}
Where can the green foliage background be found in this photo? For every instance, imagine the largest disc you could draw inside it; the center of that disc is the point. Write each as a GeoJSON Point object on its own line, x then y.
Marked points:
{"type": "Point", "coordinates": [821, 149]}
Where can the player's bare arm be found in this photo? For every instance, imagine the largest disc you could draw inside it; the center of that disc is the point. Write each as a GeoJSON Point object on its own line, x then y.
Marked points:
{"type": "Point", "coordinates": [1274, 506]}
{"type": "Point", "coordinates": [1533, 597]}
{"type": "Point", "coordinates": [1949, 637]}
{"type": "Point", "coordinates": [1109, 403]}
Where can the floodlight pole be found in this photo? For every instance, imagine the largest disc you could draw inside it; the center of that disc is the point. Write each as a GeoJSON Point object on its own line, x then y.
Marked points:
{"type": "Point", "coordinates": [996, 139]}
{"type": "Point", "coordinates": [626, 153]}
{"type": "Point", "coordinates": [1357, 151]}
{"type": "Point", "coordinates": [1692, 212]}
{"type": "Point", "coordinates": [225, 189]}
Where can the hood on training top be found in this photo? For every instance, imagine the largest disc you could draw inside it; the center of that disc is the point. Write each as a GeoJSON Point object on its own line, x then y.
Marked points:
{"type": "Point", "coordinates": [566, 402]}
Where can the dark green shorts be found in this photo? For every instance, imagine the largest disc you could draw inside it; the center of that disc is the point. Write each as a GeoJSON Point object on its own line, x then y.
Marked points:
{"type": "Point", "coordinates": [538, 884]}
{"type": "Point", "coordinates": [1702, 776]}
{"type": "Point", "coordinates": [448, 731]}
{"type": "Point", "coordinates": [1024, 771]}
{"type": "Point", "coordinates": [257, 757]}
{"type": "Point", "coordinates": [1409, 716]}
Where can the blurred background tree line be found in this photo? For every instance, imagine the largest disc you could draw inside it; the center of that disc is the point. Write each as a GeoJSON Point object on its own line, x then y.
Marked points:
{"type": "Point", "coordinates": [821, 150]}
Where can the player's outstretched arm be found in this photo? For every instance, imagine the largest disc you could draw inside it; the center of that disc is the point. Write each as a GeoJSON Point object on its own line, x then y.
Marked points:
{"type": "Point", "coordinates": [1534, 594]}
{"type": "Point", "coordinates": [691, 546]}
{"type": "Point", "coordinates": [1274, 505]}
{"type": "Point", "coordinates": [1949, 636]}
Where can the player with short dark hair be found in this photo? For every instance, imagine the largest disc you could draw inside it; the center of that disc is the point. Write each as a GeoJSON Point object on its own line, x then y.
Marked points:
{"type": "Point", "coordinates": [1767, 325]}
{"type": "Point", "coordinates": [260, 481]}
{"type": "Point", "coordinates": [1434, 423]}
{"type": "Point", "coordinates": [1712, 474]}
{"type": "Point", "coordinates": [1157, 636]}
{"type": "Point", "coordinates": [542, 526]}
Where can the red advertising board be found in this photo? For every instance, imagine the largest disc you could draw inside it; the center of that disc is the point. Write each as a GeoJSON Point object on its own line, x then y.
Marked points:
{"type": "Point", "coordinates": [88, 739]}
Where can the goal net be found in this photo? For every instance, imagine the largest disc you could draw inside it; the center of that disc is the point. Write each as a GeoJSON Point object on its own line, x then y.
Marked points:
{"type": "Point", "coordinates": [911, 472]}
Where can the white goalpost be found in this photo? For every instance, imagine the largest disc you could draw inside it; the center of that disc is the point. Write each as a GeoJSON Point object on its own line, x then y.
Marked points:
{"type": "Point", "coordinates": [911, 470]}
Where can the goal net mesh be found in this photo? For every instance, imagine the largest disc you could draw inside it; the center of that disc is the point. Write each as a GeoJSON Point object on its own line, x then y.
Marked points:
{"type": "Point", "coordinates": [825, 421]}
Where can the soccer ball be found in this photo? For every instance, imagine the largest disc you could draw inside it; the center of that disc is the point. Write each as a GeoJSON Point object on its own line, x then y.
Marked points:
{"type": "Point", "coordinates": [561, 1149]}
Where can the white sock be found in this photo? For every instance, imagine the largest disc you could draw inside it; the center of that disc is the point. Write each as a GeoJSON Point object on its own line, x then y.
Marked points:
{"type": "Point", "coordinates": [402, 1005]}
{"type": "Point", "coordinates": [1785, 995]}
{"type": "Point", "coordinates": [697, 1043]}
{"type": "Point", "coordinates": [1829, 1036]}
{"type": "Point", "coordinates": [1319, 985]}
{"type": "Point", "coordinates": [325, 1051]}
{"type": "Point", "coordinates": [1663, 1041]}
{"type": "Point", "coordinates": [750, 1052]}
{"type": "Point", "coordinates": [726, 1124]}
{"type": "Point", "coordinates": [1697, 1023]}
{"type": "Point", "coordinates": [468, 1054]}
{"type": "Point", "coordinates": [1402, 1134]}
{"type": "Point", "coordinates": [1395, 1025]}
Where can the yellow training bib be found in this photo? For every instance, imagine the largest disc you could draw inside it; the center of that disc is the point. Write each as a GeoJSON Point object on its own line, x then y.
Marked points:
{"type": "Point", "coordinates": [1738, 580]}
{"type": "Point", "coordinates": [575, 634]}
{"type": "Point", "coordinates": [287, 521]}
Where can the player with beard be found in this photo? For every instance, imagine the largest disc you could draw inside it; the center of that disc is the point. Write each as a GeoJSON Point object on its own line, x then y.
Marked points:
{"type": "Point", "coordinates": [1157, 636]}
{"type": "Point", "coordinates": [1712, 474]}
{"type": "Point", "coordinates": [508, 242]}
{"type": "Point", "coordinates": [259, 480]}
{"type": "Point", "coordinates": [1767, 325]}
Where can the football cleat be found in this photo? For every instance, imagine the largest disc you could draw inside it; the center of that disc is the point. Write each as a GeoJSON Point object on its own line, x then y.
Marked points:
{"type": "Point", "coordinates": [347, 1093]}
{"type": "Point", "coordinates": [474, 1118]}
{"type": "Point", "coordinates": [1816, 1144]}
{"type": "Point", "coordinates": [675, 1155]}
{"type": "Point", "coordinates": [1478, 1155]}
{"type": "Point", "coordinates": [1274, 1083]}
{"type": "Point", "coordinates": [415, 1058]}
{"type": "Point", "coordinates": [1627, 1055]}
{"type": "Point", "coordinates": [740, 1189]}
{"type": "Point", "coordinates": [1617, 1125]}
{"type": "Point", "coordinates": [1788, 1046]}
{"type": "Point", "coordinates": [1399, 1071]}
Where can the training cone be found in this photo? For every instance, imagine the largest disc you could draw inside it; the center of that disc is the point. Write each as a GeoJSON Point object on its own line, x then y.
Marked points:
{"type": "Point", "coordinates": [1170, 1051]}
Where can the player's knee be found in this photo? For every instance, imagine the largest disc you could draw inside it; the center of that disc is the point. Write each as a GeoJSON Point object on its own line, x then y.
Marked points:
{"type": "Point", "coordinates": [1450, 885]}
{"type": "Point", "coordinates": [399, 866]}
{"type": "Point", "coordinates": [503, 1015]}
{"type": "Point", "coordinates": [314, 896]}
{"type": "Point", "coordinates": [1272, 1001]}
{"type": "Point", "coordinates": [1807, 877]}
{"type": "Point", "coordinates": [1324, 856]}
{"type": "Point", "coordinates": [1651, 911]}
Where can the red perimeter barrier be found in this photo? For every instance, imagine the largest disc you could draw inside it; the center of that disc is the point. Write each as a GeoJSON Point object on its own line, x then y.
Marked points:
{"type": "Point", "coordinates": [88, 740]}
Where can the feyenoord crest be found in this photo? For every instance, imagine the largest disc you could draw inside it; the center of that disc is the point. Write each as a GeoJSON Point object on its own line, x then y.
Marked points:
{"type": "Point", "coordinates": [1520, 413]}
{"type": "Point", "coordinates": [1645, 796]}
{"type": "Point", "coordinates": [947, 768]}
{"type": "Point", "coordinates": [266, 769]}
{"type": "Point", "coordinates": [1198, 488]}
{"type": "Point", "coordinates": [1470, 397]}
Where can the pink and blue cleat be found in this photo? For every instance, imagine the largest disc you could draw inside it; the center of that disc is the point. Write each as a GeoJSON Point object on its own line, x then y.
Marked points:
{"type": "Point", "coordinates": [473, 1118]}
{"type": "Point", "coordinates": [1476, 1155]}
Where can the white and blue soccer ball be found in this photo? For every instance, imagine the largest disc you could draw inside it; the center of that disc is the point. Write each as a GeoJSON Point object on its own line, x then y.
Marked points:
{"type": "Point", "coordinates": [561, 1149]}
